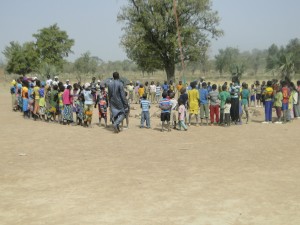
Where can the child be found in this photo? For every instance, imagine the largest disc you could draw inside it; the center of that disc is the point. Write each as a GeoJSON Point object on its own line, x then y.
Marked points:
{"type": "Point", "coordinates": [145, 115]}
{"type": "Point", "coordinates": [268, 97]}
{"type": "Point", "coordinates": [79, 105]}
{"type": "Point", "coordinates": [60, 110]}
{"type": "Point", "coordinates": [25, 99]}
{"type": "Point", "coordinates": [252, 98]}
{"type": "Point", "coordinates": [181, 115]}
{"type": "Point", "coordinates": [245, 100]}
{"type": "Point", "coordinates": [13, 94]}
{"type": "Point", "coordinates": [297, 107]}
{"type": "Point", "coordinates": [214, 105]}
{"type": "Point", "coordinates": [152, 92]}
{"type": "Point", "coordinates": [285, 101]}
{"type": "Point", "coordinates": [42, 102]}
{"type": "Point", "coordinates": [258, 93]}
{"type": "Point", "coordinates": [157, 92]}
{"type": "Point", "coordinates": [141, 92]}
{"type": "Point", "coordinates": [184, 98]}
{"type": "Point", "coordinates": [68, 103]}
{"type": "Point", "coordinates": [88, 105]}
{"type": "Point", "coordinates": [227, 107]}
{"type": "Point", "coordinates": [102, 102]}
{"type": "Point", "coordinates": [193, 103]}
{"type": "Point", "coordinates": [174, 103]}
{"type": "Point", "coordinates": [127, 113]}
{"type": "Point", "coordinates": [223, 96]}
{"type": "Point", "coordinates": [278, 104]}
{"type": "Point", "coordinates": [204, 103]}
{"type": "Point", "coordinates": [54, 103]}
{"type": "Point", "coordinates": [165, 106]}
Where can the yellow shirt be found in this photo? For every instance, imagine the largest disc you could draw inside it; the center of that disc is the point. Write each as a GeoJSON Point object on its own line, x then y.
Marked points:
{"type": "Point", "coordinates": [36, 92]}
{"type": "Point", "coordinates": [193, 98]}
{"type": "Point", "coordinates": [24, 91]}
{"type": "Point", "coordinates": [141, 91]}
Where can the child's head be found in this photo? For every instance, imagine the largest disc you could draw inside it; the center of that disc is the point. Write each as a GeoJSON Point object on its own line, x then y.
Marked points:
{"type": "Point", "coordinates": [228, 101]}
{"type": "Point", "coordinates": [152, 82]}
{"type": "Point", "coordinates": [172, 95]}
{"type": "Point", "coordinates": [55, 87]}
{"type": "Point", "coordinates": [298, 83]}
{"type": "Point", "coordinates": [208, 83]}
{"type": "Point", "coordinates": [204, 85]}
{"type": "Point", "coordinates": [164, 94]}
{"type": "Point", "coordinates": [141, 85]}
{"type": "Point", "coordinates": [214, 87]}
{"type": "Point", "coordinates": [180, 102]}
{"type": "Point", "coordinates": [269, 83]}
{"type": "Point", "coordinates": [193, 84]}
{"type": "Point", "coordinates": [252, 85]}
{"type": "Point", "coordinates": [157, 83]}
{"type": "Point", "coordinates": [144, 96]}
{"type": "Point", "coordinates": [224, 88]}
{"type": "Point", "coordinates": [244, 85]}
{"type": "Point", "coordinates": [182, 91]}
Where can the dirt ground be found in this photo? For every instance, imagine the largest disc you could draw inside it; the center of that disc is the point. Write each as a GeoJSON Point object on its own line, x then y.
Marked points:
{"type": "Point", "coordinates": [53, 174]}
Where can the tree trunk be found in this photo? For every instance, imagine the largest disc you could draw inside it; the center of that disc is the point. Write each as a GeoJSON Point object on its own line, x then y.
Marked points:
{"type": "Point", "coordinates": [170, 71]}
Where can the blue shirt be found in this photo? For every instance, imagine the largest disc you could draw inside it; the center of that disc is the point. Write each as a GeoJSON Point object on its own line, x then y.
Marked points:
{"type": "Point", "coordinates": [165, 87]}
{"type": "Point", "coordinates": [203, 96]}
{"type": "Point", "coordinates": [165, 103]}
{"type": "Point", "coordinates": [145, 105]}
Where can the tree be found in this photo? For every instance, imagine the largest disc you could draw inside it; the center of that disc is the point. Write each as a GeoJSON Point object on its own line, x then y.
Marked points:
{"type": "Point", "coordinates": [150, 38]}
{"type": "Point", "coordinates": [286, 66]}
{"type": "Point", "coordinates": [21, 59]}
{"type": "Point", "coordinates": [293, 47]}
{"type": "Point", "coordinates": [86, 63]}
{"type": "Point", "coordinates": [53, 45]}
{"type": "Point", "coordinates": [226, 59]}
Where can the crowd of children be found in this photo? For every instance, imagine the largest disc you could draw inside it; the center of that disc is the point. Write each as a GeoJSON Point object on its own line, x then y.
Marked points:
{"type": "Point", "coordinates": [54, 101]}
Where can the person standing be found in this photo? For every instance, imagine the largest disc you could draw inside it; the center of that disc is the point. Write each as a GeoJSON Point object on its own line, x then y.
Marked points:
{"type": "Point", "coordinates": [117, 101]}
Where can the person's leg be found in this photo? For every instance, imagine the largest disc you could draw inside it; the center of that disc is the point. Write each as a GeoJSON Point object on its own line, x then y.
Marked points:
{"type": "Point", "coordinates": [118, 120]}
{"type": "Point", "coordinates": [267, 112]}
{"type": "Point", "coordinates": [183, 125]}
{"type": "Point", "coordinates": [142, 119]}
{"type": "Point", "coordinates": [211, 112]}
{"type": "Point", "coordinates": [147, 114]}
{"type": "Point", "coordinates": [206, 113]}
{"type": "Point", "coordinates": [217, 113]}
{"type": "Point", "coordinates": [221, 116]}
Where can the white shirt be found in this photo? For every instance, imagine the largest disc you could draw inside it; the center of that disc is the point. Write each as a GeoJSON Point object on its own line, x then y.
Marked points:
{"type": "Point", "coordinates": [152, 88]}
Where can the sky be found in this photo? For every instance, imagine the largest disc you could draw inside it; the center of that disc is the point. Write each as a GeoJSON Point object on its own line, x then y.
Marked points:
{"type": "Point", "coordinates": [247, 24]}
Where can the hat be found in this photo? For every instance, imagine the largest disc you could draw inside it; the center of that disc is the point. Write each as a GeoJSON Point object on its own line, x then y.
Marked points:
{"type": "Point", "coordinates": [34, 78]}
{"type": "Point", "coordinates": [56, 77]}
{"type": "Point", "coordinates": [99, 81]}
{"type": "Point", "coordinates": [13, 82]}
{"type": "Point", "coordinates": [67, 80]}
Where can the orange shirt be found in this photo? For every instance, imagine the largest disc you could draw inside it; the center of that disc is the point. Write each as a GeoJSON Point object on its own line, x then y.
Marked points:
{"type": "Point", "coordinates": [141, 91]}
{"type": "Point", "coordinates": [24, 92]}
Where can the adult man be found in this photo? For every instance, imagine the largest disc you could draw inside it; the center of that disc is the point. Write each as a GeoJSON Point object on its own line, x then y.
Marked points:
{"type": "Point", "coordinates": [55, 82]}
{"type": "Point", "coordinates": [117, 101]}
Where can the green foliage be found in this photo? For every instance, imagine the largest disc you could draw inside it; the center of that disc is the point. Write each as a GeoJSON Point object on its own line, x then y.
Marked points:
{"type": "Point", "coordinates": [53, 45]}
{"type": "Point", "coordinates": [293, 47]}
{"type": "Point", "coordinates": [226, 59]}
{"type": "Point", "coordinates": [47, 69]}
{"type": "Point", "coordinates": [286, 66]}
{"type": "Point", "coordinates": [86, 63]}
{"type": "Point", "coordinates": [150, 38]}
{"type": "Point", "coordinates": [21, 59]}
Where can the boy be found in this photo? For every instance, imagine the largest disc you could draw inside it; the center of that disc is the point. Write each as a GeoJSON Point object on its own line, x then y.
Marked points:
{"type": "Point", "coordinates": [214, 105]}
{"type": "Point", "coordinates": [102, 102]}
{"type": "Point", "coordinates": [174, 103]}
{"type": "Point", "coordinates": [145, 115]}
{"type": "Point", "coordinates": [165, 106]}
{"type": "Point", "coordinates": [203, 103]}
{"type": "Point", "coordinates": [223, 96]}
{"type": "Point", "coordinates": [286, 92]}
{"type": "Point", "coordinates": [245, 100]}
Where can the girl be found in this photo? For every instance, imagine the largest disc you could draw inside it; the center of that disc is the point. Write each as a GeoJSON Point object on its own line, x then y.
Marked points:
{"type": "Point", "coordinates": [102, 102]}
{"type": "Point", "coordinates": [25, 99]}
{"type": "Point", "coordinates": [245, 100]}
{"type": "Point", "coordinates": [88, 105]}
{"type": "Point", "coordinates": [278, 104]}
{"type": "Point", "coordinates": [258, 93]}
{"type": "Point", "coordinates": [193, 103]}
{"type": "Point", "coordinates": [268, 97]}
{"type": "Point", "coordinates": [60, 110]}
{"type": "Point", "coordinates": [181, 115]}
{"type": "Point", "coordinates": [36, 92]}
{"type": "Point", "coordinates": [79, 105]}
{"type": "Point", "coordinates": [227, 107]}
{"type": "Point", "coordinates": [68, 109]}
{"type": "Point", "coordinates": [42, 102]}
{"type": "Point", "coordinates": [252, 98]}
{"type": "Point", "coordinates": [152, 91]}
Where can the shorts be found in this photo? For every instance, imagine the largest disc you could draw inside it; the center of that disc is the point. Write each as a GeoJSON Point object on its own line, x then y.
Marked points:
{"type": "Point", "coordinates": [165, 117]}
{"type": "Point", "coordinates": [258, 97]}
{"type": "Point", "coordinates": [285, 106]}
{"type": "Point", "coordinates": [252, 98]}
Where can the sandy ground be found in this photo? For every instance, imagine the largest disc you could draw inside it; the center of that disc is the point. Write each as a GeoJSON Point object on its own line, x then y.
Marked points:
{"type": "Point", "coordinates": [53, 174]}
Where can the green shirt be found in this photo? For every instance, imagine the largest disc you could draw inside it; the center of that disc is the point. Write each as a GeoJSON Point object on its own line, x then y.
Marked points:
{"type": "Point", "coordinates": [278, 99]}
{"type": "Point", "coordinates": [53, 103]}
{"type": "Point", "coordinates": [245, 96]}
{"type": "Point", "coordinates": [223, 96]}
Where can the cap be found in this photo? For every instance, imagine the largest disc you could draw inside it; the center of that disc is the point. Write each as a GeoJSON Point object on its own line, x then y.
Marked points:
{"type": "Point", "coordinates": [56, 77]}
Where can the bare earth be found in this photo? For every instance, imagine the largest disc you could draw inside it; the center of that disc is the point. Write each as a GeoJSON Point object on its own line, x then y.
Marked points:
{"type": "Point", "coordinates": [53, 174]}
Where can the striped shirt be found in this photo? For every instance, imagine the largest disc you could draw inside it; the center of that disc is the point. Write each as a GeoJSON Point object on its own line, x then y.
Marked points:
{"type": "Point", "coordinates": [165, 105]}
{"type": "Point", "coordinates": [145, 105]}
{"type": "Point", "coordinates": [158, 90]}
